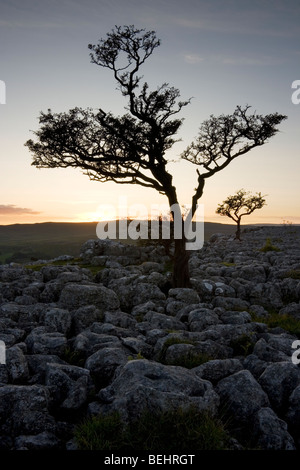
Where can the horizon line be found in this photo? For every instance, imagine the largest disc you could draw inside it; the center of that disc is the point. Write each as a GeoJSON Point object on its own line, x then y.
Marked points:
{"type": "Point", "coordinates": [116, 220]}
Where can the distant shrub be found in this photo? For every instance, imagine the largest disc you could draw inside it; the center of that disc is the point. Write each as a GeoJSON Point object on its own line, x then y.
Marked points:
{"type": "Point", "coordinates": [269, 247]}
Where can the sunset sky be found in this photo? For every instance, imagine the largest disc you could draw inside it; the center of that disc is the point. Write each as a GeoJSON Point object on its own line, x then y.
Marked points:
{"type": "Point", "coordinates": [222, 54]}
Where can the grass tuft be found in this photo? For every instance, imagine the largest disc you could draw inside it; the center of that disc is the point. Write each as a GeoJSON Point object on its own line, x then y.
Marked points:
{"type": "Point", "coordinates": [174, 430]}
{"type": "Point", "coordinates": [269, 247]}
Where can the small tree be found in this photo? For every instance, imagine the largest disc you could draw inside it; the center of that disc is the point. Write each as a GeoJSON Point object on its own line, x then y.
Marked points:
{"type": "Point", "coordinates": [241, 201]}
{"type": "Point", "coordinates": [131, 149]}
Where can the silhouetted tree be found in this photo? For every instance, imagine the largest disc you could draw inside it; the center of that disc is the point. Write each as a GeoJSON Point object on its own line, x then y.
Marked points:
{"type": "Point", "coordinates": [241, 201]}
{"type": "Point", "coordinates": [131, 149]}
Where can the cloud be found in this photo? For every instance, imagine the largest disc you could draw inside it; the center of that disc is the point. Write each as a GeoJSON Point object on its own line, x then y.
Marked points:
{"type": "Point", "coordinates": [10, 209]}
{"type": "Point", "coordinates": [254, 18]}
{"type": "Point", "coordinates": [193, 58]}
{"type": "Point", "coordinates": [251, 61]}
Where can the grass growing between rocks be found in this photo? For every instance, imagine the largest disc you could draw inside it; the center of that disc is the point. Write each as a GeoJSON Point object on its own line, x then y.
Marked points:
{"type": "Point", "coordinates": [277, 320]}
{"type": "Point", "coordinates": [190, 360]}
{"type": "Point", "coordinates": [269, 247]}
{"type": "Point", "coordinates": [170, 431]}
{"type": "Point", "coordinates": [293, 274]}
{"type": "Point", "coordinates": [243, 345]}
{"type": "Point", "coordinates": [76, 262]}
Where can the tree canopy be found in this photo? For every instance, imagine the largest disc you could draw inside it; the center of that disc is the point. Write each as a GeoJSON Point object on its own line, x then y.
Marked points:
{"type": "Point", "coordinates": [240, 204]}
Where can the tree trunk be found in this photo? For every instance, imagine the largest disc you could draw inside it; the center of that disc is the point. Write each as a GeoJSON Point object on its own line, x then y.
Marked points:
{"type": "Point", "coordinates": [181, 274]}
{"type": "Point", "coordinates": [238, 231]}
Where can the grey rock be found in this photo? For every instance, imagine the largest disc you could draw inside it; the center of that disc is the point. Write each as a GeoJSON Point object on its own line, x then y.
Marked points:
{"type": "Point", "coordinates": [52, 291]}
{"type": "Point", "coordinates": [235, 318]}
{"type": "Point", "coordinates": [121, 319]}
{"type": "Point", "coordinates": [242, 395]}
{"type": "Point", "coordinates": [69, 385]}
{"type": "Point", "coordinates": [188, 296]}
{"type": "Point", "coordinates": [270, 432]}
{"type": "Point", "coordinates": [154, 334]}
{"type": "Point", "coordinates": [282, 342]}
{"type": "Point", "coordinates": [74, 296]}
{"type": "Point", "coordinates": [99, 260]}
{"type": "Point", "coordinates": [279, 380]}
{"type": "Point", "coordinates": [255, 365]}
{"type": "Point", "coordinates": [163, 322]}
{"type": "Point", "coordinates": [17, 366]}
{"type": "Point", "coordinates": [44, 341]}
{"type": "Point", "coordinates": [12, 273]}
{"type": "Point", "coordinates": [141, 309]}
{"type": "Point", "coordinates": [137, 346]}
{"type": "Point", "coordinates": [25, 300]}
{"type": "Point", "coordinates": [266, 352]}
{"type": "Point", "coordinates": [266, 294]}
{"type": "Point", "coordinates": [231, 303]}
{"type": "Point", "coordinates": [88, 342]}
{"type": "Point", "coordinates": [3, 375]}
{"type": "Point", "coordinates": [293, 413]}
{"type": "Point", "coordinates": [177, 353]}
{"type": "Point", "coordinates": [218, 369]}
{"type": "Point", "coordinates": [37, 365]}
{"type": "Point", "coordinates": [34, 290]}
{"type": "Point", "coordinates": [213, 350]}
{"type": "Point", "coordinates": [142, 384]}
{"type": "Point", "coordinates": [252, 271]}
{"type": "Point", "coordinates": [180, 297]}
{"type": "Point", "coordinates": [205, 288]}
{"type": "Point", "coordinates": [222, 289]}
{"type": "Point", "coordinates": [201, 318]}
{"type": "Point", "coordinates": [103, 364]}
{"type": "Point", "coordinates": [259, 310]}
{"type": "Point", "coordinates": [42, 441]}
{"type": "Point", "coordinates": [112, 330]}
{"type": "Point", "coordinates": [149, 267]}
{"type": "Point", "coordinates": [58, 319]}
{"type": "Point", "coordinates": [132, 293]}
{"type": "Point", "coordinates": [292, 309]}
{"type": "Point", "coordinates": [24, 410]}
{"type": "Point", "coordinates": [84, 317]}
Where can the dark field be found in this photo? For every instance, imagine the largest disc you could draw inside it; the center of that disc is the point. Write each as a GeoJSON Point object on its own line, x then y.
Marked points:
{"type": "Point", "coordinates": [21, 243]}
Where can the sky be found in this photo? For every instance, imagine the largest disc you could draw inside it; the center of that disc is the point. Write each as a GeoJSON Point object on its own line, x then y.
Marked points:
{"type": "Point", "coordinates": [222, 54]}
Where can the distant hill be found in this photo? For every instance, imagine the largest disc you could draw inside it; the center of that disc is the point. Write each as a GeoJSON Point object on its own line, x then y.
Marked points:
{"type": "Point", "coordinates": [27, 242]}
